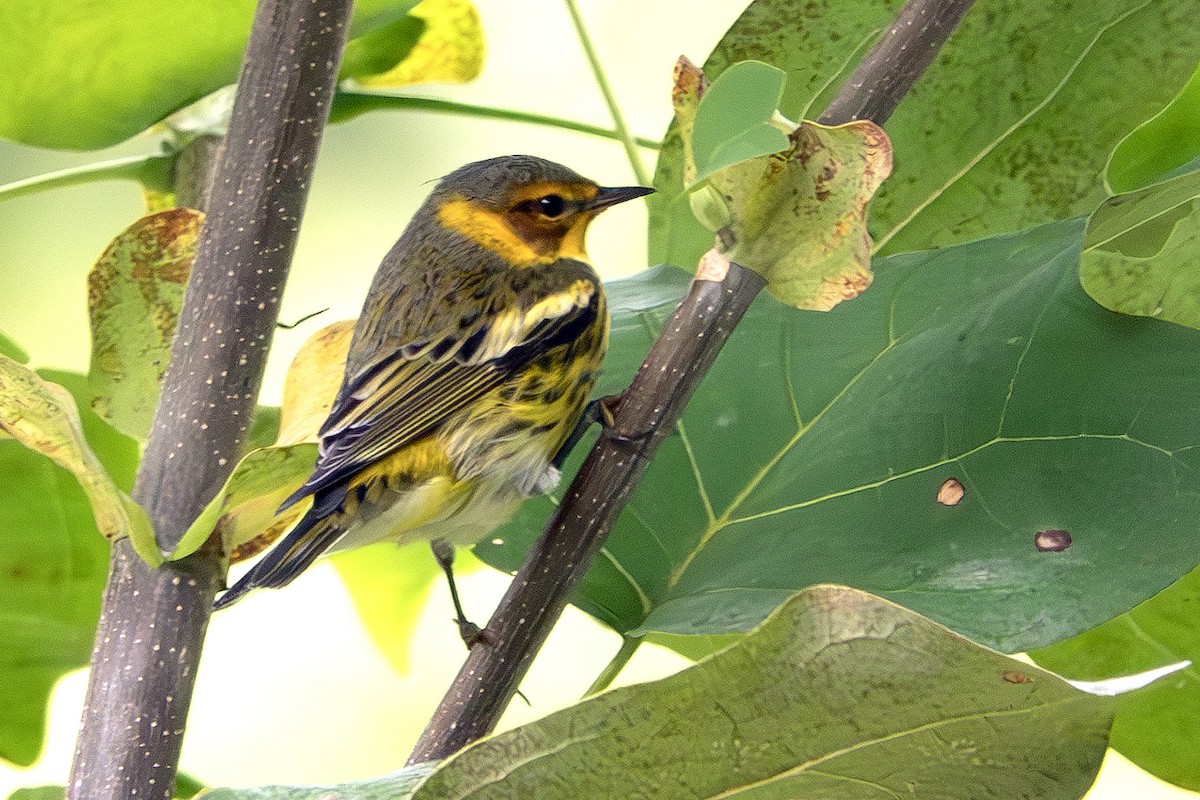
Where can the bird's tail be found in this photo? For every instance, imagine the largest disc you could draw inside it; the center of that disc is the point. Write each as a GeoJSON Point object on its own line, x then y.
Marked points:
{"type": "Point", "coordinates": [313, 535]}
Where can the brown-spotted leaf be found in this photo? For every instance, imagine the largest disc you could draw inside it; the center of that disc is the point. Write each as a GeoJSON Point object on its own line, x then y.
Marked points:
{"type": "Point", "coordinates": [42, 416]}
{"type": "Point", "coordinates": [798, 218]}
{"type": "Point", "coordinates": [686, 93]}
{"type": "Point", "coordinates": [450, 48]}
{"type": "Point", "coordinates": [245, 507]}
{"type": "Point", "coordinates": [135, 291]}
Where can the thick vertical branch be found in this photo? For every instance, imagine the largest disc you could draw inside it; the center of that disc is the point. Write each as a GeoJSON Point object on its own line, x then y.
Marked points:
{"type": "Point", "coordinates": [152, 622]}
{"type": "Point", "coordinates": [647, 411]}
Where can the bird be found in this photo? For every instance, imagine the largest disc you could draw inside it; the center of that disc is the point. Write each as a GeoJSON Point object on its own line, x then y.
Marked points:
{"type": "Point", "coordinates": [471, 364]}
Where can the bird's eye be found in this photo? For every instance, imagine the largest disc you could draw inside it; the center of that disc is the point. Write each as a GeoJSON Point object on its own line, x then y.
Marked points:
{"type": "Point", "coordinates": [551, 206]}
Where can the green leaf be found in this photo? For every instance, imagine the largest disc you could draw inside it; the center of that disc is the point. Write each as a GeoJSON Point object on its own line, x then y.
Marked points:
{"type": "Point", "coordinates": [135, 291]}
{"type": "Point", "coordinates": [733, 121]}
{"type": "Point", "coordinates": [839, 694]}
{"type": "Point", "coordinates": [815, 449]}
{"type": "Point", "coordinates": [1161, 144]}
{"type": "Point", "coordinates": [43, 417]}
{"type": "Point", "coordinates": [449, 48]}
{"type": "Point", "coordinates": [247, 503]}
{"type": "Point", "coordinates": [39, 793]}
{"type": "Point", "coordinates": [13, 350]}
{"type": "Point", "coordinates": [265, 429]}
{"type": "Point", "coordinates": [1140, 252]}
{"type": "Point", "coordinates": [381, 49]}
{"type": "Point", "coordinates": [1155, 727]}
{"type": "Point", "coordinates": [387, 584]}
{"type": "Point", "coordinates": [1011, 126]}
{"type": "Point", "coordinates": [53, 564]}
{"type": "Point", "coordinates": [187, 786]}
{"type": "Point", "coordinates": [59, 89]}
{"type": "Point", "coordinates": [397, 786]}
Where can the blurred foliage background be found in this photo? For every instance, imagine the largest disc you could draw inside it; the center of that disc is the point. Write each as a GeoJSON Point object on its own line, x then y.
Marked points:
{"type": "Point", "coordinates": [291, 688]}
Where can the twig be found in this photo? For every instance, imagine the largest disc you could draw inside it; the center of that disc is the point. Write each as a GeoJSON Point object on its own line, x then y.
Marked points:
{"type": "Point", "coordinates": [610, 99]}
{"type": "Point", "coordinates": [646, 412]}
{"type": "Point", "coordinates": [152, 622]}
{"type": "Point", "coordinates": [148, 170]}
{"type": "Point", "coordinates": [348, 104]}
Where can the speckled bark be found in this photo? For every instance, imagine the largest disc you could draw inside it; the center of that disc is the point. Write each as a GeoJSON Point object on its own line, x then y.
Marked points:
{"type": "Point", "coordinates": [648, 410]}
{"type": "Point", "coordinates": [153, 622]}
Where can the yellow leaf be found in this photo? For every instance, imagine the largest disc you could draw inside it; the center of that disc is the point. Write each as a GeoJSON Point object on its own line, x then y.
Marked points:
{"type": "Point", "coordinates": [386, 583]}
{"type": "Point", "coordinates": [450, 49]}
{"type": "Point", "coordinates": [312, 382]}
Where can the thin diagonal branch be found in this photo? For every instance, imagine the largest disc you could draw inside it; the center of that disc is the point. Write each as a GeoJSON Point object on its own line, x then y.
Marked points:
{"type": "Point", "coordinates": [153, 621]}
{"type": "Point", "coordinates": [646, 412]}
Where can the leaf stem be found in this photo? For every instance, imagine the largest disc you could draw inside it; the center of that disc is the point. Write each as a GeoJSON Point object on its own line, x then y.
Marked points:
{"type": "Point", "coordinates": [350, 104]}
{"type": "Point", "coordinates": [149, 170]}
{"type": "Point", "coordinates": [635, 160]}
{"type": "Point", "coordinates": [612, 669]}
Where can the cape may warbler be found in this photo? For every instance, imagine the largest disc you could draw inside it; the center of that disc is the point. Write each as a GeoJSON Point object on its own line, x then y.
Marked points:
{"type": "Point", "coordinates": [478, 344]}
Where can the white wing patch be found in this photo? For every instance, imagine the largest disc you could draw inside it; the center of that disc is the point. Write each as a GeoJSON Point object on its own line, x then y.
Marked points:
{"type": "Point", "coordinates": [512, 328]}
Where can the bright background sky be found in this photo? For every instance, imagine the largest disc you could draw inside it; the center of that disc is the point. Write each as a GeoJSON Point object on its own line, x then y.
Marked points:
{"type": "Point", "coordinates": [290, 689]}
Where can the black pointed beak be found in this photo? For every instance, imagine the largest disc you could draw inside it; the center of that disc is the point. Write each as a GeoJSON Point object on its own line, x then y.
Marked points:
{"type": "Point", "coordinates": [610, 196]}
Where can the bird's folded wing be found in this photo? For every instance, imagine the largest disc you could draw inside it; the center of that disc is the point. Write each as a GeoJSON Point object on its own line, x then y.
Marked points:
{"type": "Point", "coordinates": [411, 392]}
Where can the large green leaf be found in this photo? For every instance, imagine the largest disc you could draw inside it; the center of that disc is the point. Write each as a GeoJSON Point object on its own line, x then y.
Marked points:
{"type": "Point", "coordinates": [396, 786]}
{"type": "Point", "coordinates": [1011, 126]}
{"type": "Point", "coordinates": [82, 75]}
{"type": "Point", "coordinates": [53, 564]}
{"type": "Point", "coordinates": [840, 694]}
{"type": "Point", "coordinates": [1155, 727]}
{"type": "Point", "coordinates": [1140, 252]}
{"type": "Point", "coordinates": [815, 449]}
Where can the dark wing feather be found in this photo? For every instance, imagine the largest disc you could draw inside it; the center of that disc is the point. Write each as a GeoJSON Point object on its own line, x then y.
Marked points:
{"type": "Point", "coordinates": [401, 399]}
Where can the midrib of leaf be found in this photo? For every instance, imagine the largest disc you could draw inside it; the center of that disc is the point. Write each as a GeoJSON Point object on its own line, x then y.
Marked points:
{"type": "Point", "coordinates": [800, 769]}
{"type": "Point", "coordinates": [1125, 437]}
{"type": "Point", "coordinates": [1012, 382]}
{"type": "Point", "coordinates": [691, 457]}
{"type": "Point", "coordinates": [716, 525]}
{"type": "Point", "coordinates": [1134, 226]}
{"type": "Point", "coordinates": [643, 598]}
{"type": "Point", "coordinates": [982, 154]}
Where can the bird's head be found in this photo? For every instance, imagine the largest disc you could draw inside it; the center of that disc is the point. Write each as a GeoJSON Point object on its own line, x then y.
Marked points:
{"type": "Point", "coordinates": [526, 209]}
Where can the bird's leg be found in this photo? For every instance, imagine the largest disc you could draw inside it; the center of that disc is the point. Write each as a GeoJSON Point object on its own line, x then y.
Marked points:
{"type": "Point", "coordinates": [598, 410]}
{"type": "Point", "coordinates": [470, 632]}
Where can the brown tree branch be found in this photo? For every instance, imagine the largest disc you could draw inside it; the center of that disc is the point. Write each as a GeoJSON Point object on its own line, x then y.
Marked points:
{"type": "Point", "coordinates": [153, 621]}
{"type": "Point", "coordinates": [647, 411]}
